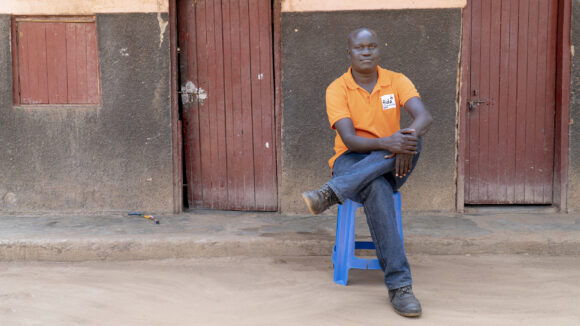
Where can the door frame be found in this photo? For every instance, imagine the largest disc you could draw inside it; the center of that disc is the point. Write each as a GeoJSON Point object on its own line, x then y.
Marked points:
{"type": "Point", "coordinates": [562, 117]}
{"type": "Point", "coordinates": [176, 125]}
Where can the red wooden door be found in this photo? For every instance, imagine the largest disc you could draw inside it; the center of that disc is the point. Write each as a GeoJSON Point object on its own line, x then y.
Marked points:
{"type": "Point", "coordinates": [229, 131]}
{"type": "Point", "coordinates": [510, 101]}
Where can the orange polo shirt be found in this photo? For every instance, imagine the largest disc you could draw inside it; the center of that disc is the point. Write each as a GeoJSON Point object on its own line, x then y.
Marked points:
{"type": "Point", "coordinates": [373, 115]}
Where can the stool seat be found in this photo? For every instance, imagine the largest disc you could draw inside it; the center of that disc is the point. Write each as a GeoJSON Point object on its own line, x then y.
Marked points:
{"type": "Point", "coordinates": [343, 253]}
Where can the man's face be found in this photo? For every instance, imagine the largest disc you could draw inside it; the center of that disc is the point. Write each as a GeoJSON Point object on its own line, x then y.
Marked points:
{"type": "Point", "coordinates": [363, 52]}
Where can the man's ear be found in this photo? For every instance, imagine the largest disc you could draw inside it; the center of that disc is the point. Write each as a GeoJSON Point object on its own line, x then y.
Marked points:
{"type": "Point", "coordinates": [348, 53]}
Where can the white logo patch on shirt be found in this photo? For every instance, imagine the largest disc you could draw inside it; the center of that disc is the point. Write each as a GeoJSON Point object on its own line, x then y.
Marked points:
{"type": "Point", "coordinates": [388, 101]}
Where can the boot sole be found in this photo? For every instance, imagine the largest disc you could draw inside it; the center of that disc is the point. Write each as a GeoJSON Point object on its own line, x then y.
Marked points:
{"type": "Point", "coordinates": [408, 314]}
{"type": "Point", "coordinates": [308, 204]}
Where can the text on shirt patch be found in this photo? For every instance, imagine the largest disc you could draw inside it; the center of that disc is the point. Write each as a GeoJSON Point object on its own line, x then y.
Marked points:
{"type": "Point", "coordinates": [388, 101]}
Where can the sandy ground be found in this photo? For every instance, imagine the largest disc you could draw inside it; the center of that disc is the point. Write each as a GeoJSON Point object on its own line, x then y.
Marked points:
{"type": "Point", "coordinates": [454, 290]}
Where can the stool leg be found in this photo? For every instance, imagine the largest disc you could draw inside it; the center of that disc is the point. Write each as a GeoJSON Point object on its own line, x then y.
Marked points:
{"type": "Point", "coordinates": [344, 243]}
{"type": "Point", "coordinates": [397, 197]}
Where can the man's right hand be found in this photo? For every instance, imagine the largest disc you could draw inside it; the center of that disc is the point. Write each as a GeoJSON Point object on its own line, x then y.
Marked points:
{"type": "Point", "coordinates": [403, 141]}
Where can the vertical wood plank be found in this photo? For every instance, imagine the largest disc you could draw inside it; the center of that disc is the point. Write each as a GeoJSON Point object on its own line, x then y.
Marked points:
{"type": "Point", "coordinates": [562, 125]}
{"type": "Point", "coordinates": [34, 82]}
{"type": "Point", "coordinates": [236, 174]}
{"type": "Point", "coordinates": [504, 95]}
{"type": "Point", "coordinates": [228, 32]}
{"type": "Point", "coordinates": [520, 166]}
{"type": "Point", "coordinates": [268, 192]}
{"type": "Point", "coordinates": [255, 55]}
{"type": "Point", "coordinates": [82, 62]}
{"type": "Point", "coordinates": [93, 73]}
{"type": "Point", "coordinates": [204, 118]}
{"type": "Point", "coordinates": [485, 94]}
{"type": "Point", "coordinates": [511, 108]}
{"type": "Point", "coordinates": [531, 105]}
{"type": "Point", "coordinates": [247, 98]}
{"type": "Point", "coordinates": [24, 65]}
{"type": "Point", "coordinates": [493, 186]}
{"type": "Point", "coordinates": [72, 66]}
{"type": "Point", "coordinates": [540, 102]}
{"type": "Point", "coordinates": [220, 119]}
{"type": "Point", "coordinates": [56, 63]}
{"type": "Point", "coordinates": [211, 107]}
{"type": "Point", "coordinates": [550, 112]}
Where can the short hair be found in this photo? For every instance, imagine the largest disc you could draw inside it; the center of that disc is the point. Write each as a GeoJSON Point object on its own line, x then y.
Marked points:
{"type": "Point", "coordinates": [355, 32]}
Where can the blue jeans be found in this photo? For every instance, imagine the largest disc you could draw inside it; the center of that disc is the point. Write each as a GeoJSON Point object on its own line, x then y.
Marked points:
{"type": "Point", "coordinates": [369, 178]}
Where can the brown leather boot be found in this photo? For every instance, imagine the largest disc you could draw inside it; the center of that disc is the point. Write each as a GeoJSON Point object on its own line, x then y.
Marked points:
{"type": "Point", "coordinates": [320, 200]}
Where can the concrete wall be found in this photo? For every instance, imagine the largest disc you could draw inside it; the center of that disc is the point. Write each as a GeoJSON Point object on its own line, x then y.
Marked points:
{"type": "Point", "coordinates": [116, 157]}
{"type": "Point", "coordinates": [574, 172]}
{"type": "Point", "coordinates": [422, 44]}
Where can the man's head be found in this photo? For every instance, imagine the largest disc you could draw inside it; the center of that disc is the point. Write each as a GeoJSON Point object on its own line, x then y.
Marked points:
{"type": "Point", "coordinates": [363, 50]}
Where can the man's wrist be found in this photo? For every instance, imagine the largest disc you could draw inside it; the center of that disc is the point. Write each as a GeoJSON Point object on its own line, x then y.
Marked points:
{"type": "Point", "coordinates": [385, 144]}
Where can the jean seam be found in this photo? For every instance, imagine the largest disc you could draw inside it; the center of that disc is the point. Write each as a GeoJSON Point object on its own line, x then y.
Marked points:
{"type": "Point", "coordinates": [400, 286]}
{"type": "Point", "coordinates": [374, 235]}
{"type": "Point", "coordinates": [338, 195]}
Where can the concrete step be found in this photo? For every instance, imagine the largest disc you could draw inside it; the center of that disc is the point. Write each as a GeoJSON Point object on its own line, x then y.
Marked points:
{"type": "Point", "coordinates": [203, 233]}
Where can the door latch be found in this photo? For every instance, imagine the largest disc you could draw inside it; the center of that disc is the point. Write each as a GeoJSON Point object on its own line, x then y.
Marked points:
{"type": "Point", "coordinates": [190, 93]}
{"type": "Point", "coordinates": [473, 103]}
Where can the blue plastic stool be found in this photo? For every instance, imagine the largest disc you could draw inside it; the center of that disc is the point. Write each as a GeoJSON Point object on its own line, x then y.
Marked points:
{"type": "Point", "coordinates": [343, 252]}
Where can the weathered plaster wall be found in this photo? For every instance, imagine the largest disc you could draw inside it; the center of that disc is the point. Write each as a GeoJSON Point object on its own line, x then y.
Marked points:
{"type": "Point", "coordinates": [423, 44]}
{"type": "Point", "coordinates": [80, 7]}
{"type": "Point", "coordinates": [113, 158]}
{"type": "Point", "coordinates": [574, 172]}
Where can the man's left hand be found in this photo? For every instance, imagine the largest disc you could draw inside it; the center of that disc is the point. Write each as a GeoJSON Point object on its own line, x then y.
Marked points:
{"type": "Point", "coordinates": [403, 164]}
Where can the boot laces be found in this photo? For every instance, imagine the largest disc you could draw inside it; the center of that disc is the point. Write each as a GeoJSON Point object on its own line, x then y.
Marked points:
{"type": "Point", "coordinates": [404, 290]}
{"type": "Point", "coordinates": [329, 195]}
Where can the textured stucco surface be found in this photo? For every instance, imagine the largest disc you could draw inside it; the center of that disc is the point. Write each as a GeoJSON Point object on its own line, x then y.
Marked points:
{"type": "Point", "coordinates": [113, 158]}
{"type": "Point", "coordinates": [422, 44]}
{"type": "Point", "coordinates": [574, 171]}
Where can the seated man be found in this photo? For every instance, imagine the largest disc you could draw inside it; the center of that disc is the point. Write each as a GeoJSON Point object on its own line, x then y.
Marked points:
{"type": "Point", "coordinates": [374, 156]}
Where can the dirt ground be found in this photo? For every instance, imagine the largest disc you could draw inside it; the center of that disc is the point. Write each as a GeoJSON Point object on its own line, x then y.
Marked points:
{"type": "Point", "coordinates": [454, 290]}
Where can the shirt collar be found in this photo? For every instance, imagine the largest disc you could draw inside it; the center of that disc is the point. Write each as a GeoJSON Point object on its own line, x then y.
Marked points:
{"type": "Point", "coordinates": [383, 80]}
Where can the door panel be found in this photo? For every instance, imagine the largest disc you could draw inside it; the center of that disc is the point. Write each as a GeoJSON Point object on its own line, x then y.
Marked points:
{"type": "Point", "coordinates": [226, 53]}
{"type": "Point", "coordinates": [511, 84]}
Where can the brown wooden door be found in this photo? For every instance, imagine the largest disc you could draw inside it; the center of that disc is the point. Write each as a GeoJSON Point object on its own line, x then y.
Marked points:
{"type": "Point", "coordinates": [229, 130]}
{"type": "Point", "coordinates": [510, 101]}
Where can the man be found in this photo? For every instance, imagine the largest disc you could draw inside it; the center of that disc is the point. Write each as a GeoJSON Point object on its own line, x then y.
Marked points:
{"type": "Point", "coordinates": [373, 156]}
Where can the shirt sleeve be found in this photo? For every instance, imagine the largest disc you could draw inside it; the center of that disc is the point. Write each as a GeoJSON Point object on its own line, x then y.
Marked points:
{"type": "Point", "coordinates": [336, 103]}
{"type": "Point", "coordinates": [406, 89]}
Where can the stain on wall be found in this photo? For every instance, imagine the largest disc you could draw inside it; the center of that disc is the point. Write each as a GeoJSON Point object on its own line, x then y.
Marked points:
{"type": "Point", "coordinates": [422, 44]}
{"type": "Point", "coordinates": [116, 157]}
{"type": "Point", "coordinates": [574, 171]}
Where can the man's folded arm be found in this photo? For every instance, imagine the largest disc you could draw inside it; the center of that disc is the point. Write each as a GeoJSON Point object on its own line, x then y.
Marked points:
{"type": "Point", "coordinates": [403, 141]}
{"type": "Point", "coordinates": [422, 119]}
